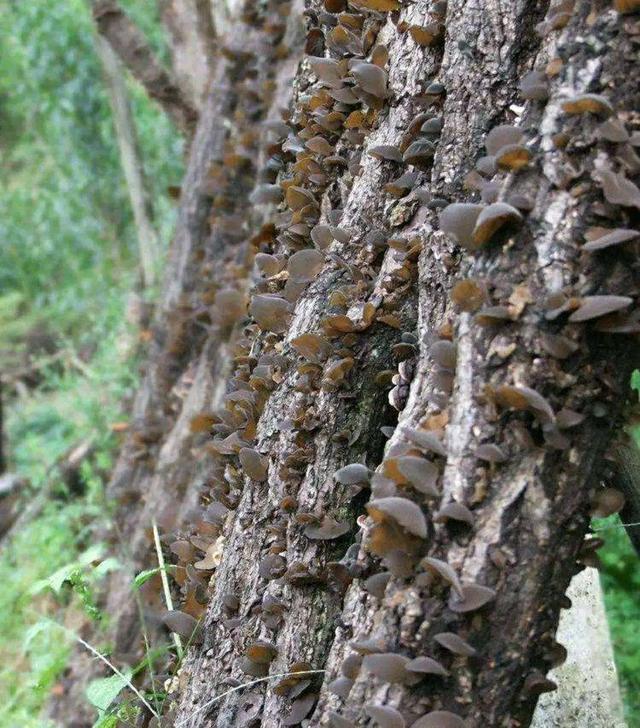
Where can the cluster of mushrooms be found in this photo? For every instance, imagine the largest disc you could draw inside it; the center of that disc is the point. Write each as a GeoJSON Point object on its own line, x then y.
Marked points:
{"type": "Point", "coordinates": [321, 141]}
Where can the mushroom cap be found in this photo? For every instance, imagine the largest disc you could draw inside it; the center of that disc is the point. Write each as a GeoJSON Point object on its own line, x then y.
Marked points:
{"type": "Point", "coordinates": [492, 219]}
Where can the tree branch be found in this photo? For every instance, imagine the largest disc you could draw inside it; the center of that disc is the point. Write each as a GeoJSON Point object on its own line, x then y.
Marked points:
{"type": "Point", "coordinates": [130, 44]}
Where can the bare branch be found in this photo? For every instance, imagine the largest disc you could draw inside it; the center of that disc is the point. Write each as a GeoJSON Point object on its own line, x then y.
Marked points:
{"type": "Point", "coordinates": [130, 44]}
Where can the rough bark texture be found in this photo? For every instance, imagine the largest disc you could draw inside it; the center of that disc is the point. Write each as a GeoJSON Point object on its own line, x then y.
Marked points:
{"type": "Point", "coordinates": [193, 44]}
{"type": "Point", "coordinates": [530, 513]}
{"type": "Point", "coordinates": [129, 43]}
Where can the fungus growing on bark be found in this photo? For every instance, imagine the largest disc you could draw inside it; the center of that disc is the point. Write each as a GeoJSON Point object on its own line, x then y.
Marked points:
{"type": "Point", "coordinates": [341, 687]}
{"type": "Point", "coordinates": [312, 347]}
{"type": "Point", "coordinates": [439, 719]}
{"type": "Point", "coordinates": [606, 502]}
{"type": "Point", "coordinates": [271, 313]}
{"type": "Point", "coordinates": [455, 644]}
{"type": "Point", "coordinates": [444, 571]}
{"type": "Point", "coordinates": [613, 130]}
{"type": "Point", "coordinates": [487, 166]}
{"type": "Point", "coordinates": [559, 346]}
{"type": "Point", "coordinates": [456, 512]}
{"type": "Point", "coordinates": [386, 152]}
{"type": "Point", "coordinates": [352, 474]}
{"type": "Point", "coordinates": [184, 625]}
{"type": "Point", "coordinates": [305, 264]}
{"type": "Point", "coordinates": [253, 464]}
{"type": "Point", "coordinates": [317, 145]}
{"type": "Point", "coordinates": [567, 418]}
{"type": "Point", "coordinates": [379, 5]}
{"type": "Point", "coordinates": [335, 719]}
{"type": "Point", "coordinates": [293, 681]}
{"type": "Point", "coordinates": [254, 669]}
{"type": "Point", "coordinates": [625, 7]}
{"type": "Point", "coordinates": [322, 236]}
{"type": "Point", "coordinates": [493, 219]}
{"type": "Point", "coordinates": [534, 86]}
{"type": "Point", "coordinates": [300, 709]}
{"type": "Point", "coordinates": [427, 666]}
{"type": "Point", "coordinates": [424, 440]}
{"type": "Point", "coordinates": [370, 78]}
{"type": "Point", "coordinates": [326, 530]}
{"type": "Point", "coordinates": [419, 153]}
{"type": "Point", "coordinates": [617, 189]}
{"type": "Point", "coordinates": [268, 264]}
{"type": "Point", "coordinates": [298, 198]}
{"type": "Point", "coordinates": [432, 126]}
{"type": "Point", "coordinates": [230, 601]}
{"type": "Point", "coordinates": [474, 597]}
{"type": "Point", "coordinates": [387, 666]}
{"type": "Point", "coordinates": [588, 104]}
{"type": "Point", "coordinates": [501, 136]}
{"type": "Point", "coordinates": [525, 398]}
{"type": "Point", "coordinates": [402, 511]}
{"type": "Point", "coordinates": [491, 453]}
{"type": "Point", "coordinates": [183, 550]}
{"type": "Point", "coordinates": [229, 306]}
{"type": "Point", "coordinates": [266, 194]}
{"type": "Point", "coordinates": [328, 71]}
{"type": "Point", "coordinates": [261, 652]}
{"type": "Point", "coordinates": [418, 472]}
{"type": "Point", "coordinates": [513, 157]}
{"type": "Point", "coordinates": [444, 354]}
{"type": "Point", "coordinates": [203, 422]}
{"type": "Point", "coordinates": [402, 185]}
{"type": "Point", "coordinates": [351, 666]}
{"type": "Point", "coordinates": [468, 294]}
{"type": "Point", "coordinates": [427, 35]}
{"type": "Point", "coordinates": [617, 236]}
{"type": "Point", "coordinates": [377, 584]}
{"type": "Point", "coordinates": [592, 307]}
{"type": "Point", "coordinates": [385, 716]}
{"type": "Point", "coordinates": [536, 683]}
{"type": "Point", "coordinates": [459, 219]}
{"type": "Point", "coordinates": [272, 567]}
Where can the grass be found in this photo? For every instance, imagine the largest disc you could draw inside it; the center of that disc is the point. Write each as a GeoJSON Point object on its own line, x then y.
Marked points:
{"type": "Point", "coordinates": [620, 577]}
{"type": "Point", "coordinates": [68, 407]}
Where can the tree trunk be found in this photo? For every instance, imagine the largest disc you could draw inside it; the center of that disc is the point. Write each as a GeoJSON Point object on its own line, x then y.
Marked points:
{"type": "Point", "coordinates": [131, 162]}
{"type": "Point", "coordinates": [193, 44]}
{"type": "Point", "coordinates": [505, 523]}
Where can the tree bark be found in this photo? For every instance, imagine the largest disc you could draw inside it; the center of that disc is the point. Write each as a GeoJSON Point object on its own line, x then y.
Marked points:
{"type": "Point", "coordinates": [193, 44]}
{"type": "Point", "coordinates": [131, 46]}
{"type": "Point", "coordinates": [530, 513]}
{"type": "Point", "coordinates": [527, 515]}
{"type": "Point", "coordinates": [132, 167]}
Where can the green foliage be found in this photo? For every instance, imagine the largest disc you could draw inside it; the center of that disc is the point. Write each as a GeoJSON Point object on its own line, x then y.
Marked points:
{"type": "Point", "coordinates": [620, 578]}
{"type": "Point", "coordinates": [102, 692]}
{"type": "Point", "coordinates": [65, 224]}
{"type": "Point", "coordinates": [68, 260]}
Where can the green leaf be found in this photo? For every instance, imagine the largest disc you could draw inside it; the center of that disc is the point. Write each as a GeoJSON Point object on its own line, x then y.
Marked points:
{"type": "Point", "coordinates": [56, 580]}
{"type": "Point", "coordinates": [107, 721]}
{"type": "Point", "coordinates": [102, 692]}
{"type": "Point", "coordinates": [144, 576]}
{"type": "Point", "coordinates": [93, 553]}
{"type": "Point", "coordinates": [106, 566]}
